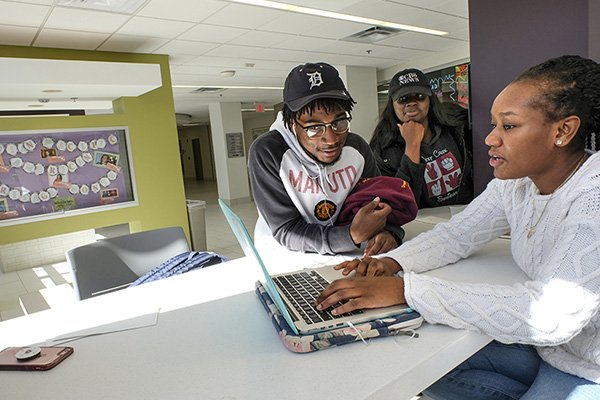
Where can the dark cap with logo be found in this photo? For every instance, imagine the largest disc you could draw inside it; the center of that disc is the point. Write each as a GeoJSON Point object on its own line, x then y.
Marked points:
{"type": "Point", "coordinates": [309, 82]}
{"type": "Point", "coordinates": [409, 81]}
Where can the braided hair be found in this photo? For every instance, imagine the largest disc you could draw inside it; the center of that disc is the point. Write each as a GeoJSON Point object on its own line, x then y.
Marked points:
{"type": "Point", "coordinates": [330, 105]}
{"type": "Point", "coordinates": [569, 85]}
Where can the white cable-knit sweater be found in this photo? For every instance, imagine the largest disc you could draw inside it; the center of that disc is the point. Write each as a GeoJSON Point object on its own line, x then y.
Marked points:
{"type": "Point", "coordinates": [557, 308]}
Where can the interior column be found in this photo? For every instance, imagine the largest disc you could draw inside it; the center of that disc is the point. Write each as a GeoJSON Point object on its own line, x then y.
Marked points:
{"type": "Point", "coordinates": [228, 148]}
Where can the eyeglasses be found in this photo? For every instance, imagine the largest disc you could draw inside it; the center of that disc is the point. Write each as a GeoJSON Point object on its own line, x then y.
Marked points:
{"type": "Point", "coordinates": [411, 97]}
{"type": "Point", "coordinates": [338, 127]}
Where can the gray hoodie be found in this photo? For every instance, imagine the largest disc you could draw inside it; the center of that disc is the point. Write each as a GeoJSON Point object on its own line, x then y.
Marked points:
{"type": "Point", "coordinates": [300, 198]}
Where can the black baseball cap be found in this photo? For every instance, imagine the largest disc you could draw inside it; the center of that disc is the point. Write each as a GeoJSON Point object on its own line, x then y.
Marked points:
{"type": "Point", "coordinates": [409, 81]}
{"type": "Point", "coordinates": [309, 82]}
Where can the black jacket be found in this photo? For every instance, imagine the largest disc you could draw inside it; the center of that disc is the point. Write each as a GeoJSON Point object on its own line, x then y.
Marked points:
{"type": "Point", "coordinates": [436, 181]}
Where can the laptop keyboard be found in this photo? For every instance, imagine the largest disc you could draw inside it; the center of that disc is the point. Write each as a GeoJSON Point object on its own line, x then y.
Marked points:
{"type": "Point", "coordinates": [302, 289]}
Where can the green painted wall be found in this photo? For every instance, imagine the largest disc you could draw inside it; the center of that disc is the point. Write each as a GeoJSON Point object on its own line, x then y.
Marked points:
{"type": "Point", "coordinates": [154, 148]}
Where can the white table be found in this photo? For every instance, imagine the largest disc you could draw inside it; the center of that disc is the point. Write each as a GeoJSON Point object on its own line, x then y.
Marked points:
{"type": "Point", "coordinates": [213, 340]}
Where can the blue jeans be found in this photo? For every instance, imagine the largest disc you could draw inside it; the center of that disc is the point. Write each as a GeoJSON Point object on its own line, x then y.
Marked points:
{"type": "Point", "coordinates": [507, 372]}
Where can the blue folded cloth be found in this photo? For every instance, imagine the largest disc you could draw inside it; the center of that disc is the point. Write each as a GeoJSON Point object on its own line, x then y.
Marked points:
{"type": "Point", "coordinates": [179, 264]}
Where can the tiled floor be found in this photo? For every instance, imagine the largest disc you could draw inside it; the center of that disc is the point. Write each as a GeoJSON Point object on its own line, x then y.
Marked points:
{"type": "Point", "coordinates": [219, 237]}
{"type": "Point", "coordinates": [50, 285]}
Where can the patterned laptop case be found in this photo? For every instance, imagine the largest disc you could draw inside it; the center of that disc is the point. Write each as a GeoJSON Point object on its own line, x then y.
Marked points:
{"type": "Point", "coordinates": [404, 323]}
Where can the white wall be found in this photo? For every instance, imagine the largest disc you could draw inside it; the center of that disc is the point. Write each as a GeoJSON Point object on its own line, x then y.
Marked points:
{"type": "Point", "coordinates": [361, 82]}
{"type": "Point", "coordinates": [256, 121]}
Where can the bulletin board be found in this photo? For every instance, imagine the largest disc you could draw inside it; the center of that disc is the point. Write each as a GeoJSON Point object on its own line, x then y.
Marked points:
{"type": "Point", "coordinates": [56, 173]}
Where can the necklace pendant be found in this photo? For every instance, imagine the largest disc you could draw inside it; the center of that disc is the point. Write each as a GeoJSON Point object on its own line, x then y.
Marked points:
{"type": "Point", "coordinates": [530, 232]}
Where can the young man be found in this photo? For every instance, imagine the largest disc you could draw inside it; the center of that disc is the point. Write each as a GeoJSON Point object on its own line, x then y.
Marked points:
{"type": "Point", "coordinates": [303, 169]}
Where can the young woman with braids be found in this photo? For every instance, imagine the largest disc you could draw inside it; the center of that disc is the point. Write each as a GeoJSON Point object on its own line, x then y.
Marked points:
{"type": "Point", "coordinates": [547, 193]}
{"type": "Point", "coordinates": [414, 140]}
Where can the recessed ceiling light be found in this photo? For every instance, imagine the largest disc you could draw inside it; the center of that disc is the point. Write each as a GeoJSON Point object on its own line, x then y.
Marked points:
{"type": "Point", "coordinates": [345, 17]}
{"type": "Point", "coordinates": [118, 6]}
{"type": "Point", "coordinates": [35, 105]}
{"type": "Point", "coordinates": [228, 74]}
{"type": "Point", "coordinates": [52, 91]}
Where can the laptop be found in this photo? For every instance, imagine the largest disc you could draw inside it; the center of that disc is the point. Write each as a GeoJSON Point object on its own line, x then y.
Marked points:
{"type": "Point", "coordinates": [294, 293]}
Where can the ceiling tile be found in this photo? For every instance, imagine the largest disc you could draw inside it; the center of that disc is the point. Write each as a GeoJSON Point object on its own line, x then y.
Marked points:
{"type": "Point", "coordinates": [178, 59]}
{"type": "Point", "coordinates": [69, 39]}
{"type": "Point", "coordinates": [218, 61]}
{"type": "Point", "coordinates": [427, 4]}
{"type": "Point", "coordinates": [397, 12]}
{"type": "Point", "coordinates": [243, 16]}
{"type": "Point", "coordinates": [258, 53]}
{"type": "Point", "coordinates": [260, 38]}
{"type": "Point", "coordinates": [215, 71]}
{"type": "Point", "coordinates": [461, 35]}
{"type": "Point", "coordinates": [307, 43]}
{"type": "Point", "coordinates": [455, 7]}
{"type": "Point", "coordinates": [186, 47]}
{"type": "Point", "coordinates": [452, 25]}
{"type": "Point", "coordinates": [334, 29]}
{"type": "Point", "coordinates": [212, 33]}
{"type": "Point", "coordinates": [416, 40]}
{"type": "Point", "coordinates": [294, 23]}
{"type": "Point", "coordinates": [197, 70]}
{"type": "Point", "coordinates": [17, 35]}
{"type": "Point", "coordinates": [84, 20]}
{"type": "Point", "coordinates": [428, 19]}
{"type": "Point", "coordinates": [154, 27]}
{"type": "Point", "coordinates": [132, 44]}
{"type": "Point", "coordinates": [235, 63]}
{"type": "Point", "coordinates": [217, 80]}
{"type": "Point", "coordinates": [185, 10]}
{"type": "Point", "coordinates": [22, 14]}
{"type": "Point", "coordinates": [383, 10]}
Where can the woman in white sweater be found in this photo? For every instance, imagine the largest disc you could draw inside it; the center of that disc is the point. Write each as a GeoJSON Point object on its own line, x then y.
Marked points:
{"type": "Point", "coordinates": [547, 194]}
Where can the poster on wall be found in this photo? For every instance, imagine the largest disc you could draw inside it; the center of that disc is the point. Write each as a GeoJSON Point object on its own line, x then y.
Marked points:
{"type": "Point", "coordinates": [55, 173]}
{"type": "Point", "coordinates": [451, 84]}
{"type": "Point", "coordinates": [235, 144]}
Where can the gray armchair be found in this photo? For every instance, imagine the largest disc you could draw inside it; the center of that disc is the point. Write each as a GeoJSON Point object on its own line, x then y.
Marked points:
{"type": "Point", "coordinates": [112, 264]}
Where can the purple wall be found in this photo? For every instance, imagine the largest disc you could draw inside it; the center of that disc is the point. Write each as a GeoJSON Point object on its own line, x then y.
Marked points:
{"type": "Point", "coordinates": [507, 37]}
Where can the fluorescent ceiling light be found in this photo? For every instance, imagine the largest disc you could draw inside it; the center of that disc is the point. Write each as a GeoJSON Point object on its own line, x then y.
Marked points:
{"type": "Point", "coordinates": [229, 87]}
{"type": "Point", "coordinates": [334, 15]}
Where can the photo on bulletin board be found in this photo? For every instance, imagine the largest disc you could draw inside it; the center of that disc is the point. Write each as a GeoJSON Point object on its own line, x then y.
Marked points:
{"type": "Point", "coordinates": [3, 167]}
{"type": "Point", "coordinates": [56, 173]}
{"type": "Point", "coordinates": [45, 153]}
{"type": "Point", "coordinates": [58, 180]}
{"type": "Point", "coordinates": [103, 159]}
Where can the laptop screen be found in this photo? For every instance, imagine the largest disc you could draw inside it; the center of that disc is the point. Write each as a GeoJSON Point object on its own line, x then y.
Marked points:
{"type": "Point", "coordinates": [243, 237]}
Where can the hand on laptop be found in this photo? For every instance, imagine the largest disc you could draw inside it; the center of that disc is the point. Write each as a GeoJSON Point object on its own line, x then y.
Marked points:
{"type": "Point", "coordinates": [368, 266]}
{"type": "Point", "coordinates": [362, 292]}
